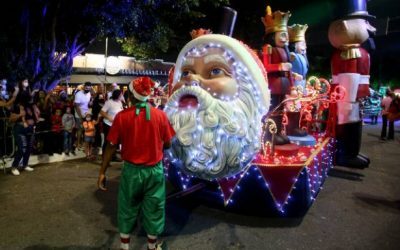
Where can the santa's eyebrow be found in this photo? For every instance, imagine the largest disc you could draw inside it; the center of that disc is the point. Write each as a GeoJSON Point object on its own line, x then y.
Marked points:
{"type": "Point", "coordinates": [215, 58]}
{"type": "Point", "coordinates": [188, 62]}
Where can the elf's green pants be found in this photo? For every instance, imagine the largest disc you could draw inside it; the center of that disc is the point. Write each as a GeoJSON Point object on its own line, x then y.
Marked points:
{"type": "Point", "coordinates": [142, 188]}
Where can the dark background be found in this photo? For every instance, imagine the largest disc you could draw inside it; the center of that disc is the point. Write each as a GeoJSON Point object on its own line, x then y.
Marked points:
{"type": "Point", "coordinates": [318, 15]}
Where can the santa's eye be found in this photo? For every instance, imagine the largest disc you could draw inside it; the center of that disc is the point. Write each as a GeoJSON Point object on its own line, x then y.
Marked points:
{"type": "Point", "coordinates": [185, 73]}
{"type": "Point", "coordinates": [216, 72]}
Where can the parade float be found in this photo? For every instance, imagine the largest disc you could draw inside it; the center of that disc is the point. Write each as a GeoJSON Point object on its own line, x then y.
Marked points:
{"type": "Point", "coordinates": [219, 109]}
{"type": "Point", "coordinates": [252, 135]}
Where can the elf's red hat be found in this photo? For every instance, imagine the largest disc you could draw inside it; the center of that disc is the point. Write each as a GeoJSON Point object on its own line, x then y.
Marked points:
{"type": "Point", "coordinates": [141, 87]}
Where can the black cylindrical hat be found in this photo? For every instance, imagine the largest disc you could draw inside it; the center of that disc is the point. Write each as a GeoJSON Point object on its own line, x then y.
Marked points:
{"type": "Point", "coordinates": [352, 9]}
{"type": "Point", "coordinates": [228, 21]}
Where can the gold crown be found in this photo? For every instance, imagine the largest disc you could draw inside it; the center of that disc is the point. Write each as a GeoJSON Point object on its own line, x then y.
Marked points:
{"type": "Point", "coordinates": [297, 32]}
{"type": "Point", "coordinates": [199, 32]}
{"type": "Point", "coordinates": [274, 22]}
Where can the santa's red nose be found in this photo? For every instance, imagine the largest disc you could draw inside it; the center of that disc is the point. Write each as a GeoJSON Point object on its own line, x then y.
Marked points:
{"type": "Point", "coordinates": [188, 101]}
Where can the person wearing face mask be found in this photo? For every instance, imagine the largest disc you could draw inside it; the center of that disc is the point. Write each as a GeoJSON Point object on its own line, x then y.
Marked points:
{"type": "Point", "coordinates": [25, 83]}
{"type": "Point", "coordinates": [90, 131]}
{"type": "Point", "coordinates": [24, 117]}
{"type": "Point", "coordinates": [25, 93]}
{"type": "Point", "coordinates": [81, 103]}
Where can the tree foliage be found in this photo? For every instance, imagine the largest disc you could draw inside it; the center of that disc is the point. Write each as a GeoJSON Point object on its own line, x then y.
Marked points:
{"type": "Point", "coordinates": [166, 26]}
{"type": "Point", "coordinates": [40, 38]}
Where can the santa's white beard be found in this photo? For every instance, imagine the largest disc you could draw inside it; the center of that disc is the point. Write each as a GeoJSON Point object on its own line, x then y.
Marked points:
{"type": "Point", "coordinates": [219, 138]}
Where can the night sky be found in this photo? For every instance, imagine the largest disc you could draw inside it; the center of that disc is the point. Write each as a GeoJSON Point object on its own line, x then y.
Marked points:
{"type": "Point", "coordinates": [318, 15]}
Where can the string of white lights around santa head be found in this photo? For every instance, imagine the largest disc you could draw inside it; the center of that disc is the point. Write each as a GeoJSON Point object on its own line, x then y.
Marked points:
{"type": "Point", "coordinates": [238, 70]}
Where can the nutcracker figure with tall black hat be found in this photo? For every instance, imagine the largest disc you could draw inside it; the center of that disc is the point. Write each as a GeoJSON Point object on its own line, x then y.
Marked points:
{"type": "Point", "coordinates": [350, 66]}
{"type": "Point", "coordinates": [275, 58]}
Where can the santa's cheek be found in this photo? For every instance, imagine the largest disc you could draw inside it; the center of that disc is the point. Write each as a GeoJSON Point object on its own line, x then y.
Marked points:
{"type": "Point", "coordinates": [176, 87]}
{"type": "Point", "coordinates": [226, 87]}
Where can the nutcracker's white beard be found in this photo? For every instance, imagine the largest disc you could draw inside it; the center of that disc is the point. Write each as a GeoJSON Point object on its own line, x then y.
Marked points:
{"type": "Point", "coordinates": [219, 138]}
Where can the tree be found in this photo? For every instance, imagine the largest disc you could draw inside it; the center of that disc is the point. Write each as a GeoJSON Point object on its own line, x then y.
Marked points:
{"type": "Point", "coordinates": [170, 23]}
{"type": "Point", "coordinates": [40, 38]}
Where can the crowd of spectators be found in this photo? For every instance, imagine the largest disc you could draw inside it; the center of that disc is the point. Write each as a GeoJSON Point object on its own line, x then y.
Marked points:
{"type": "Point", "coordinates": [56, 122]}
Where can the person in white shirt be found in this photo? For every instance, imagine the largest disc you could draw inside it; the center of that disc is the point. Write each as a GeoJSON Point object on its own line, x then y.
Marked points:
{"type": "Point", "coordinates": [81, 103]}
{"type": "Point", "coordinates": [110, 109]}
{"type": "Point", "coordinates": [385, 111]}
{"type": "Point", "coordinates": [114, 86]}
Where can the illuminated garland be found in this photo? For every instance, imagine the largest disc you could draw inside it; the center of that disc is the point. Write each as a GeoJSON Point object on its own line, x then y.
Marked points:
{"type": "Point", "coordinates": [267, 146]}
{"type": "Point", "coordinates": [318, 94]}
{"type": "Point", "coordinates": [315, 169]}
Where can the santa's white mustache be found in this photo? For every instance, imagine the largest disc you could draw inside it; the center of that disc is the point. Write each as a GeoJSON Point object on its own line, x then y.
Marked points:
{"type": "Point", "coordinates": [193, 83]}
{"type": "Point", "coordinates": [193, 89]}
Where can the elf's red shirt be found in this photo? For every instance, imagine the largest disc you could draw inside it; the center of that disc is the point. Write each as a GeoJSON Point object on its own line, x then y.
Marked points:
{"type": "Point", "coordinates": [141, 140]}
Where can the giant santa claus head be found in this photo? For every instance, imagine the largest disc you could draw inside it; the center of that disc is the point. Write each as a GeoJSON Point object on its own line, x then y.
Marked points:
{"type": "Point", "coordinates": [220, 93]}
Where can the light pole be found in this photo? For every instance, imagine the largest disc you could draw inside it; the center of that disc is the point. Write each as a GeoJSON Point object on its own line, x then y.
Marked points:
{"type": "Point", "coordinates": [105, 66]}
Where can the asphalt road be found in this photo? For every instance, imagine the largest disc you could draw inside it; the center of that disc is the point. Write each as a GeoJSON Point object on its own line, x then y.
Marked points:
{"type": "Point", "coordinates": [58, 207]}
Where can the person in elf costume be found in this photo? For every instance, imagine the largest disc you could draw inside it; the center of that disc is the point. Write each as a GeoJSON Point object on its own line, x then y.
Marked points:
{"type": "Point", "coordinates": [143, 132]}
{"type": "Point", "coordinates": [276, 60]}
{"type": "Point", "coordinates": [350, 65]}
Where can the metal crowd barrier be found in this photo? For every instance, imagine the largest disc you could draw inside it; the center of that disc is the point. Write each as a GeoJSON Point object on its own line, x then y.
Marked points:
{"type": "Point", "coordinates": [8, 144]}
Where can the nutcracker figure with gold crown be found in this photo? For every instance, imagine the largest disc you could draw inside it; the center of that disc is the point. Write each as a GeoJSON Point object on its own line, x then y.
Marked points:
{"type": "Point", "coordinates": [276, 60]}
{"type": "Point", "coordinates": [350, 66]}
{"type": "Point", "coordinates": [298, 58]}
{"type": "Point", "coordinates": [298, 53]}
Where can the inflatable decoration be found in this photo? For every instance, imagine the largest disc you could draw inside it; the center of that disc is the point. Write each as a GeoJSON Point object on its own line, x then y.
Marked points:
{"type": "Point", "coordinates": [350, 65]}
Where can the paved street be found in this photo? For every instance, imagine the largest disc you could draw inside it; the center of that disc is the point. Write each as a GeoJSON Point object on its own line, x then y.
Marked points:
{"type": "Point", "coordinates": [58, 207]}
